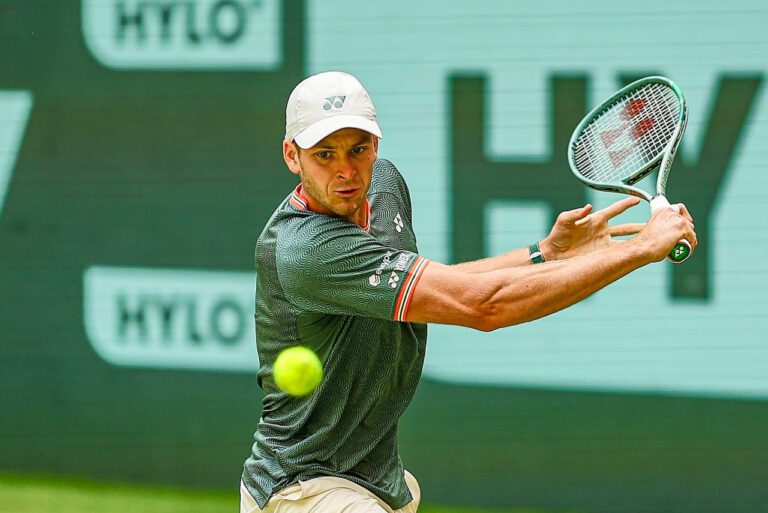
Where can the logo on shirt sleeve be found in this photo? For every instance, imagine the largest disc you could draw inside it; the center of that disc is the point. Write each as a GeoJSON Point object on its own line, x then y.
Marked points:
{"type": "Point", "coordinates": [375, 278]}
{"type": "Point", "coordinates": [400, 265]}
{"type": "Point", "coordinates": [402, 262]}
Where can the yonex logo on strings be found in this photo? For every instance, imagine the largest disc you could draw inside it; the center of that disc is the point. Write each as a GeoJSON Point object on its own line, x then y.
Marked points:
{"type": "Point", "coordinates": [334, 102]}
{"type": "Point", "coordinates": [632, 109]}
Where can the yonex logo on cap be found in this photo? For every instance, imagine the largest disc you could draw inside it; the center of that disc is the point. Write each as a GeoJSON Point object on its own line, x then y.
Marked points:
{"type": "Point", "coordinates": [316, 105]}
{"type": "Point", "coordinates": [393, 279]}
{"type": "Point", "coordinates": [334, 102]}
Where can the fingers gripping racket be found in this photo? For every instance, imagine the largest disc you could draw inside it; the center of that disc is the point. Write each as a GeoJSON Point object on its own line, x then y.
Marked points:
{"type": "Point", "coordinates": [627, 137]}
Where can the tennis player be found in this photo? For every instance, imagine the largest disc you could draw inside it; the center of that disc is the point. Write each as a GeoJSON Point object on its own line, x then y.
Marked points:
{"type": "Point", "coordinates": [338, 270]}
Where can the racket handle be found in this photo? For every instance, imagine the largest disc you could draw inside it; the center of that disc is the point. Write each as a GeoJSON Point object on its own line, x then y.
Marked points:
{"type": "Point", "coordinates": [683, 248]}
{"type": "Point", "coordinates": [680, 252]}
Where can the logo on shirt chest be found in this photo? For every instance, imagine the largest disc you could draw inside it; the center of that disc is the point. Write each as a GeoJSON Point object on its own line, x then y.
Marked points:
{"type": "Point", "coordinates": [398, 223]}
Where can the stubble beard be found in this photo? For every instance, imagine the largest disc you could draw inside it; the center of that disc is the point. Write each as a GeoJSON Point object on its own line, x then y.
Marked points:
{"type": "Point", "coordinates": [345, 209]}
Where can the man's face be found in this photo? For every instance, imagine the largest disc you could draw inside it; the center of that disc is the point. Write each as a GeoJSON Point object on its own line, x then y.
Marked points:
{"type": "Point", "coordinates": [336, 172]}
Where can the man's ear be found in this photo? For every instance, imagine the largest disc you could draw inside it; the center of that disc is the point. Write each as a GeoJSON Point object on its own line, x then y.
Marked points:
{"type": "Point", "coordinates": [291, 157]}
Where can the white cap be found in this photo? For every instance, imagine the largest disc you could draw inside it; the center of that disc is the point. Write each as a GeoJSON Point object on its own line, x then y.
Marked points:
{"type": "Point", "coordinates": [326, 102]}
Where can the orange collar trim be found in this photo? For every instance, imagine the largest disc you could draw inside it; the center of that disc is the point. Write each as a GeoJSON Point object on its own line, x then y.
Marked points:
{"type": "Point", "coordinates": [367, 226]}
{"type": "Point", "coordinates": [297, 199]}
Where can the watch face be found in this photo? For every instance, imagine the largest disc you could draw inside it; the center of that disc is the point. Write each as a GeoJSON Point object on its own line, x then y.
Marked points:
{"type": "Point", "coordinates": [535, 254]}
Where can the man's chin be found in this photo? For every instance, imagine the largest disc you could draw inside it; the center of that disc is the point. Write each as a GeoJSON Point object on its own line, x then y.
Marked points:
{"type": "Point", "coordinates": [345, 210]}
{"type": "Point", "coordinates": [348, 207]}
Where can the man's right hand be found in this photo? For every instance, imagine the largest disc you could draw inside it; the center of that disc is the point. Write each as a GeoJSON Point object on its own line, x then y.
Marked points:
{"type": "Point", "coordinates": [665, 229]}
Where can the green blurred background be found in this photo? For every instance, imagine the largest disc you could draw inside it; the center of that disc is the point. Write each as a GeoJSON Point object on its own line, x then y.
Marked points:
{"type": "Point", "coordinates": [140, 157]}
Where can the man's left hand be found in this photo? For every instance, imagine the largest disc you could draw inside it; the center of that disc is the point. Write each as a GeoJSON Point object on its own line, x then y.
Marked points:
{"type": "Point", "coordinates": [579, 232]}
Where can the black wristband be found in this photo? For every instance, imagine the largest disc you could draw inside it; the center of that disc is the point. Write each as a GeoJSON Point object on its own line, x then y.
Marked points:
{"type": "Point", "coordinates": [536, 256]}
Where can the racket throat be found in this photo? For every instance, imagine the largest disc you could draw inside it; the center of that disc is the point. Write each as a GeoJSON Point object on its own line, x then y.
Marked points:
{"type": "Point", "coordinates": [659, 201]}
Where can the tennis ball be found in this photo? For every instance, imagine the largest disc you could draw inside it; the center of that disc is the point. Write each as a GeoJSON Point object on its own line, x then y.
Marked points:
{"type": "Point", "coordinates": [297, 371]}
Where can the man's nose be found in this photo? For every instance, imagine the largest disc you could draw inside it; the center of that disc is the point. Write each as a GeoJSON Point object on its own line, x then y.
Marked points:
{"type": "Point", "coordinates": [345, 169]}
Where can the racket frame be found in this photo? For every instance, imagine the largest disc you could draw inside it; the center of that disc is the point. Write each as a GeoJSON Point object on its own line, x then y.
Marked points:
{"type": "Point", "coordinates": [663, 160]}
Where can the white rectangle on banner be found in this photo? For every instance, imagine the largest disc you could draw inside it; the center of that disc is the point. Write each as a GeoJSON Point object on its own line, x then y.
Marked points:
{"type": "Point", "coordinates": [169, 318]}
{"type": "Point", "coordinates": [184, 34]}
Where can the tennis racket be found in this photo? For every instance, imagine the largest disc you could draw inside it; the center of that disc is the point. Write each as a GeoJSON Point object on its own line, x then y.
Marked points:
{"type": "Point", "coordinates": [628, 136]}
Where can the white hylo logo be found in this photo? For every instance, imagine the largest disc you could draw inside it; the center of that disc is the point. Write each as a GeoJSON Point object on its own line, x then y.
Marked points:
{"type": "Point", "coordinates": [393, 279]}
{"type": "Point", "coordinates": [398, 222]}
{"type": "Point", "coordinates": [374, 279]}
{"type": "Point", "coordinates": [334, 102]}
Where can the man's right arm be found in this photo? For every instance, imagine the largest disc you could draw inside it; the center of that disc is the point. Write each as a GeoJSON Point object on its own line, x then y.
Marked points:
{"type": "Point", "coordinates": [505, 297]}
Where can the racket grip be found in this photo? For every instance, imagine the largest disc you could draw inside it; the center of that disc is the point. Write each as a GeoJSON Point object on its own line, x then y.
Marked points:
{"type": "Point", "coordinates": [680, 252]}
{"type": "Point", "coordinates": [683, 248]}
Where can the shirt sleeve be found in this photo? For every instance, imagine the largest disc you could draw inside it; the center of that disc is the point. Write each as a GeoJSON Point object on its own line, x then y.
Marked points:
{"type": "Point", "coordinates": [337, 268]}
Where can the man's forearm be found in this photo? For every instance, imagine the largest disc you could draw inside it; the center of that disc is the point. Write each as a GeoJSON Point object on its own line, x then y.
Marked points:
{"type": "Point", "coordinates": [511, 259]}
{"type": "Point", "coordinates": [514, 258]}
{"type": "Point", "coordinates": [524, 294]}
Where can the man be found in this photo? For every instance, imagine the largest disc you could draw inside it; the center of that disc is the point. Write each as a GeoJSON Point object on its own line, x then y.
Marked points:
{"type": "Point", "coordinates": [338, 271]}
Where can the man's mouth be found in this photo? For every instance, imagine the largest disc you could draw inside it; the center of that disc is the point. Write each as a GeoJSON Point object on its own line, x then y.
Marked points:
{"type": "Point", "coordinates": [346, 193]}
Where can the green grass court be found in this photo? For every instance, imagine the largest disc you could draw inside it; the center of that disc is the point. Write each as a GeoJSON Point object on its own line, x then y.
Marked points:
{"type": "Point", "coordinates": [20, 494]}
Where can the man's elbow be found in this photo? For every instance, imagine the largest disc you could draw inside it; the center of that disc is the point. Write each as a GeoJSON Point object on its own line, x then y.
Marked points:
{"type": "Point", "coordinates": [486, 325]}
{"type": "Point", "coordinates": [492, 315]}
{"type": "Point", "coordinates": [488, 317]}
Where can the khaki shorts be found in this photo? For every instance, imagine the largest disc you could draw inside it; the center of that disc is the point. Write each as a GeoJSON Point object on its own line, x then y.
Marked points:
{"type": "Point", "coordinates": [328, 495]}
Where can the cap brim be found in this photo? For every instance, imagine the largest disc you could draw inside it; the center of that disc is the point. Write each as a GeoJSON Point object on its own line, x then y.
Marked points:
{"type": "Point", "coordinates": [315, 133]}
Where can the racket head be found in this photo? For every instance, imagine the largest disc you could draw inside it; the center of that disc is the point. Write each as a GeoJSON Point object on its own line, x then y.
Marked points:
{"type": "Point", "coordinates": [628, 135]}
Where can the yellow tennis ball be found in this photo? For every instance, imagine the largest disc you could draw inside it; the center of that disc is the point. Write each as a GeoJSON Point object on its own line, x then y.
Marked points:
{"type": "Point", "coordinates": [297, 371]}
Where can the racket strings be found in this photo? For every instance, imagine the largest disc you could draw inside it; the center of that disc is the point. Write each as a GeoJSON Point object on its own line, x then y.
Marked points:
{"type": "Point", "coordinates": [628, 135]}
